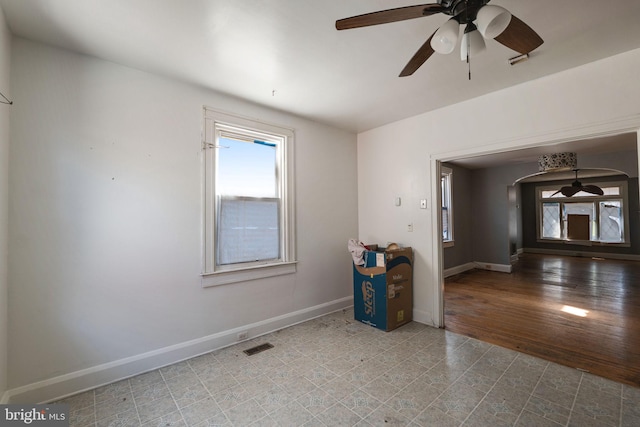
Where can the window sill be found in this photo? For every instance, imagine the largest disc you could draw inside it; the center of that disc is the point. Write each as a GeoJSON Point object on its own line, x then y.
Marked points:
{"type": "Point", "coordinates": [219, 278]}
{"type": "Point", "coordinates": [584, 243]}
{"type": "Point", "coordinates": [447, 244]}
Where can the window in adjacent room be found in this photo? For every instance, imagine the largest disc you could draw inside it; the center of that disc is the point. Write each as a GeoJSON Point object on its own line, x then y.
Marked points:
{"type": "Point", "coordinates": [604, 218]}
{"type": "Point", "coordinates": [248, 218]}
{"type": "Point", "coordinates": [446, 185]}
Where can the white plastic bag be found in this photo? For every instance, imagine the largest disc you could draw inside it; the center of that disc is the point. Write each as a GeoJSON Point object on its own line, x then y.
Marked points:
{"type": "Point", "coordinates": [357, 248]}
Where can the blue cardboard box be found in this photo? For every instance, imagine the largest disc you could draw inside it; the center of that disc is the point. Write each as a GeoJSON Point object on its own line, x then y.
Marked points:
{"type": "Point", "coordinates": [382, 289]}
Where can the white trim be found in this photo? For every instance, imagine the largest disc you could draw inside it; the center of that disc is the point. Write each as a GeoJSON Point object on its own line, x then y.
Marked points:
{"type": "Point", "coordinates": [458, 269]}
{"type": "Point", "coordinates": [424, 317]}
{"type": "Point", "coordinates": [257, 272]}
{"type": "Point", "coordinates": [629, 123]}
{"type": "Point", "coordinates": [502, 268]}
{"type": "Point", "coordinates": [86, 379]}
{"type": "Point", "coordinates": [5, 398]}
{"type": "Point", "coordinates": [437, 250]}
{"type": "Point", "coordinates": [217, 121]}
{"type": "Point", "coordinates": [605, 255]}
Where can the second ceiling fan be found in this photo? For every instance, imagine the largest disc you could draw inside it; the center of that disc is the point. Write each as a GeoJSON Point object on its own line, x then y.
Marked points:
{"type": "Point", "coordinates": [576, 187]}
{"type": "Point", "coordinates": [480, 20]}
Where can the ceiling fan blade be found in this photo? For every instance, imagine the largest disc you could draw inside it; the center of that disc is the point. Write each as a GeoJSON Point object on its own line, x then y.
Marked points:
{"type": "Point", "coordinates": [418, 59]}
{"type": "Point", "coordinates": [519, 37]}
{"type": "Point", "coordinates": [390, 15]}
{"type": "Point", "coordinates": [593, 189]}
{"type": "Point", "coordinates": [569, 191]}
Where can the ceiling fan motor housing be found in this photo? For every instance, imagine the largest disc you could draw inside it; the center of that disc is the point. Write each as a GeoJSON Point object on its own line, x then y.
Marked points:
{"type": "Point", "coordinates": [495, 22]}
{"type": "Point", "coordinates": [465, 11]}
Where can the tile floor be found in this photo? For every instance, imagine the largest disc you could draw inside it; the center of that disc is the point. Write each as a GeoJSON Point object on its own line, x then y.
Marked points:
{"type": "Point", "coordinates": [334, 371]}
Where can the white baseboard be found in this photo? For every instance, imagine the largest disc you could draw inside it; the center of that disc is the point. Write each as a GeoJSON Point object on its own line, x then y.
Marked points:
{"type": "Point", "coordinates": [424, 317]}
{"type": "Point", "coordinates": [458, 269]}
{"type": "Point", "coordinates": [87, 379]}
{"type": "Point", "coordinates": [605, 255]}
{"type": "Point", "coordinates": [502, 268]}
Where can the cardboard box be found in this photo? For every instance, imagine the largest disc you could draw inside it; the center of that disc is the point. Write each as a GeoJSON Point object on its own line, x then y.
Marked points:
{"type": "Point", "coordinates": [383, 290]}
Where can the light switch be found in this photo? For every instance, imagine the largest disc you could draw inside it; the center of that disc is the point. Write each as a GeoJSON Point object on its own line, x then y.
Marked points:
{"type": "Point", "coordinates": [398, 201]}
{"type": "Point", "coordinates": [423, 204]}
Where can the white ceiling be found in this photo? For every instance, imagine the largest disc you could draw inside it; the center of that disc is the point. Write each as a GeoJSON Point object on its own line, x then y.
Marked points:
{"type": "Point", "coordinates": [287, 54]}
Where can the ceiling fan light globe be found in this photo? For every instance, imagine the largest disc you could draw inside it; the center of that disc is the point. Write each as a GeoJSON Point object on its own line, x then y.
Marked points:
{"type": "Point", "coordinates": [492, 21]}
{"type": "Point", "coordinates": [474, 43]}
{"type": "Point", "coordinates": [445, 39]}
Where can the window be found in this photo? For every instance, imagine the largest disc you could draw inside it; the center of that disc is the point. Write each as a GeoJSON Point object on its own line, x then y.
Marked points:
{"type": "Point", "coordinates": [446, 185]}
{"type": "Point", "coordinates": [248, 198]}
{"type": "Point", "coordinates": [597, 219]}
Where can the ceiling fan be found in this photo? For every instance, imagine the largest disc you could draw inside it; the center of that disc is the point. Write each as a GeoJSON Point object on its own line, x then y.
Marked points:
{"type": "Point", "coordinates": [480, 20]}
{"type": "Point", "coordinates": [576, 186]}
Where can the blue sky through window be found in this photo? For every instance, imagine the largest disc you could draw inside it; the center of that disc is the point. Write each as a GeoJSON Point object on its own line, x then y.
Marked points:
{"type": "Point", "coordinates": [246, 169]}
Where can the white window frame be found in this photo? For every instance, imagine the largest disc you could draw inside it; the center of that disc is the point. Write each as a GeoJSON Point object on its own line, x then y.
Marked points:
{"type": "Point", "coordinates": [215, 124]}
{"type": "Point", "coordinates": [447, 200]}
{"type": "Point", "coordinates": [623, 196]}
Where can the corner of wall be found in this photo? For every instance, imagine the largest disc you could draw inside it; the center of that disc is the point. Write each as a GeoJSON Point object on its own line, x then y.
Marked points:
{"type": "Point", "coordinates": [5, 54]}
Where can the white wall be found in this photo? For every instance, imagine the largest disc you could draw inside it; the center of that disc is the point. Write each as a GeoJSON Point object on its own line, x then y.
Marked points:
{"type": "Point", "coordinates": [398, 159]}
{"type": "Point", "coordinates": [5, 54]}
{"type": "Point", "coordinates": [105, 220]}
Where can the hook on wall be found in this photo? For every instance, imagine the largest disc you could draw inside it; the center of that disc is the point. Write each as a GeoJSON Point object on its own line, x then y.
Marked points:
{"type": "Point", "coordinates": [6, 100]}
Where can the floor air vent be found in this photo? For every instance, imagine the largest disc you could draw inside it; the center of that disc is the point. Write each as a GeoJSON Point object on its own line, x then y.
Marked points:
{"type": "Point", "coordinates": [257, 349]}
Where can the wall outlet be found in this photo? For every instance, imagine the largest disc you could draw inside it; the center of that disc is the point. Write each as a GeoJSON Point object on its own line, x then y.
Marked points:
{"type": "Point", "coordinates": [410, 228]}
{"type": "Point", "coordinates": [243, 335]}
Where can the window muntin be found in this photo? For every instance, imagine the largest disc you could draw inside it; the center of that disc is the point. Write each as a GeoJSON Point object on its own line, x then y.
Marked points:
{"type": "Point", "coordinates": [606, 213]}
{"type": "Point", "coordinates": [248, 194]}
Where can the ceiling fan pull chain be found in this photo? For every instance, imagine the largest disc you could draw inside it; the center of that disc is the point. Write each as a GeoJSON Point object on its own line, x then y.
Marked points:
{"type": "Point", "coordinates": [468, 39]}
{"type": "Point", "coordinates": [468, 57]}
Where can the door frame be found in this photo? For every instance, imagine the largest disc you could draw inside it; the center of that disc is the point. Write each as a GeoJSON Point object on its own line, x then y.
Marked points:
{"type": "Point", "coordinates": [596, 130]}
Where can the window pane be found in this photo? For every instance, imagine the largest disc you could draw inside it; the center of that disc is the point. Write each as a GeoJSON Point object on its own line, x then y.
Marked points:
{"type": "Point", "coordinates": [447, 212]}
{"type": "Point", "coordinates": [445, 223]}
{"type": "Point", "coordinates": [580, 209]}
{"type": "Point", "coordinates": [546, 194]}
{"type": "Point", "coordinates": [551, 220]}
{"type": "Point", "coordinates": [611, 222]}
{"type": "Point", "coordinates": [611, 191]}
{"type": "Point", "coordinates": [248, 230]}
{"type": "Point", "coordinates": [246, 169]}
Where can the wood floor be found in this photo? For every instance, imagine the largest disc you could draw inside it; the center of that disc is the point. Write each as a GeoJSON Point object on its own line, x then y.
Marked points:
{"type": "Point", "coordinates": [524, 311]}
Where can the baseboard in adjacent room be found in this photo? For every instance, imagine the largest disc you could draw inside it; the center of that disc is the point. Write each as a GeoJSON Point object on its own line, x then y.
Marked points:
{"type": "Point", "coordinates": [502, 268]}
{"type": "Point", "coordinates": [90, 378]}
{"type": "Point", "coordinates": [458, 269]}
